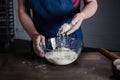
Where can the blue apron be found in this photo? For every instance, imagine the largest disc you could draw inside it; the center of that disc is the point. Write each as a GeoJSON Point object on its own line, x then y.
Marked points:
{"type": "Point", "coordinates": [49, 15]}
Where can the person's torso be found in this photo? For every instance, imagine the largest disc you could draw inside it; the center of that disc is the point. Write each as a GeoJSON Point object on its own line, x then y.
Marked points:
{"type": "Point", "coordinates": [49, 15]}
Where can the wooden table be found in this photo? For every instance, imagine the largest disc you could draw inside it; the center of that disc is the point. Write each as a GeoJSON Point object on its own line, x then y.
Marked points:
{"type": "Point", "coordinates": [91, 65]}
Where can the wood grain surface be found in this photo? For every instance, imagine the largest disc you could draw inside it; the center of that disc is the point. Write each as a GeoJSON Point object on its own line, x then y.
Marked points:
{"type": "Point", "coordinates": [25, 66]}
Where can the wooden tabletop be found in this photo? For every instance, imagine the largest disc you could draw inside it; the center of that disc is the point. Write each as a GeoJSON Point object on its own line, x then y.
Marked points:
{"type": "Point", "coordinates": [91, 65]}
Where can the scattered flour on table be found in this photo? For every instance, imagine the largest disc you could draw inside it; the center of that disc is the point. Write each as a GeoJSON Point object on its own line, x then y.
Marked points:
{"type": "Point", "coordinates": [62, 56]}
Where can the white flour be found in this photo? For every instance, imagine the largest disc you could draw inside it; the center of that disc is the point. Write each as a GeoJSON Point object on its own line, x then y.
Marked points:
{"type": "Point", "coordinates": [64, 28]}
{"type": "Point", "coordinates": [62, 56]}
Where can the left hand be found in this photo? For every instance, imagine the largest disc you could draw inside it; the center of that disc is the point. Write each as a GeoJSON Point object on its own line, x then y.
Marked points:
{"type": "Point", "coordinates": [37, 40]}
{"type": "Point", "coordinates": [76, 22]}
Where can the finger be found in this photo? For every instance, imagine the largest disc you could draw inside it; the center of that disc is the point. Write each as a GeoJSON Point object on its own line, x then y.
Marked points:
{"type": "Point", "coordinates": [35, 50]}
{"type": "Point", "coordinates": [37, 41]}
{"type": "Point", "coordinates": [38, 51]}
{"type": "Point", "coordinates": [75, 19]}
{"type": "Point", "coordinates": [74, 28]}
{"type": "Point", "coordinates": [43, 41]}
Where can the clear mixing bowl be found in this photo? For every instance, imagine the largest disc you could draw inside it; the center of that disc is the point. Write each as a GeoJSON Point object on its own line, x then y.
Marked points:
{"type": "Point", "coordinates": [62, 50]}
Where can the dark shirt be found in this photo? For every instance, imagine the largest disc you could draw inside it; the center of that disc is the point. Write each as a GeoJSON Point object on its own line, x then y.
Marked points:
{"type": "Point", "coordinates": [49, 15]}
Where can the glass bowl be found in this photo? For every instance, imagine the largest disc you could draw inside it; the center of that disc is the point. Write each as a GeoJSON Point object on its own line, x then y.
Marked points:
{"type": "Point", "coordinates": [62, 50]}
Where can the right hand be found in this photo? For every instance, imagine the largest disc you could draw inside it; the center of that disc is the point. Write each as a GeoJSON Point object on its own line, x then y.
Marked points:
{"type": "Point", "coordinates": [37, 40]}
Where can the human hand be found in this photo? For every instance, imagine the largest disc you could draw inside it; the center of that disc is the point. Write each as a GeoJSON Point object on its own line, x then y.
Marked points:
{"type": "Point", "coordinates": [76, 22]}
{"type": "Point", "coordinates": [37, 40]}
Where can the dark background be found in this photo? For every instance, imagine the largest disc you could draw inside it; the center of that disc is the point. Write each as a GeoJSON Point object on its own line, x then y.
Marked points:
{"type": "Point", "coordinates": [103, 29]}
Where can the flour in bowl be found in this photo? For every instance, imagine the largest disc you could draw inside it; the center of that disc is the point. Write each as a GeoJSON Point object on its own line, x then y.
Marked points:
{"type": "Point", "coordinates": [62, 56]}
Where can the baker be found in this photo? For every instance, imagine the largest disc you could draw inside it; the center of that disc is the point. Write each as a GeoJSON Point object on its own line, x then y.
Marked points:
{"type": "Point", "coordinates": [48, 16]}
